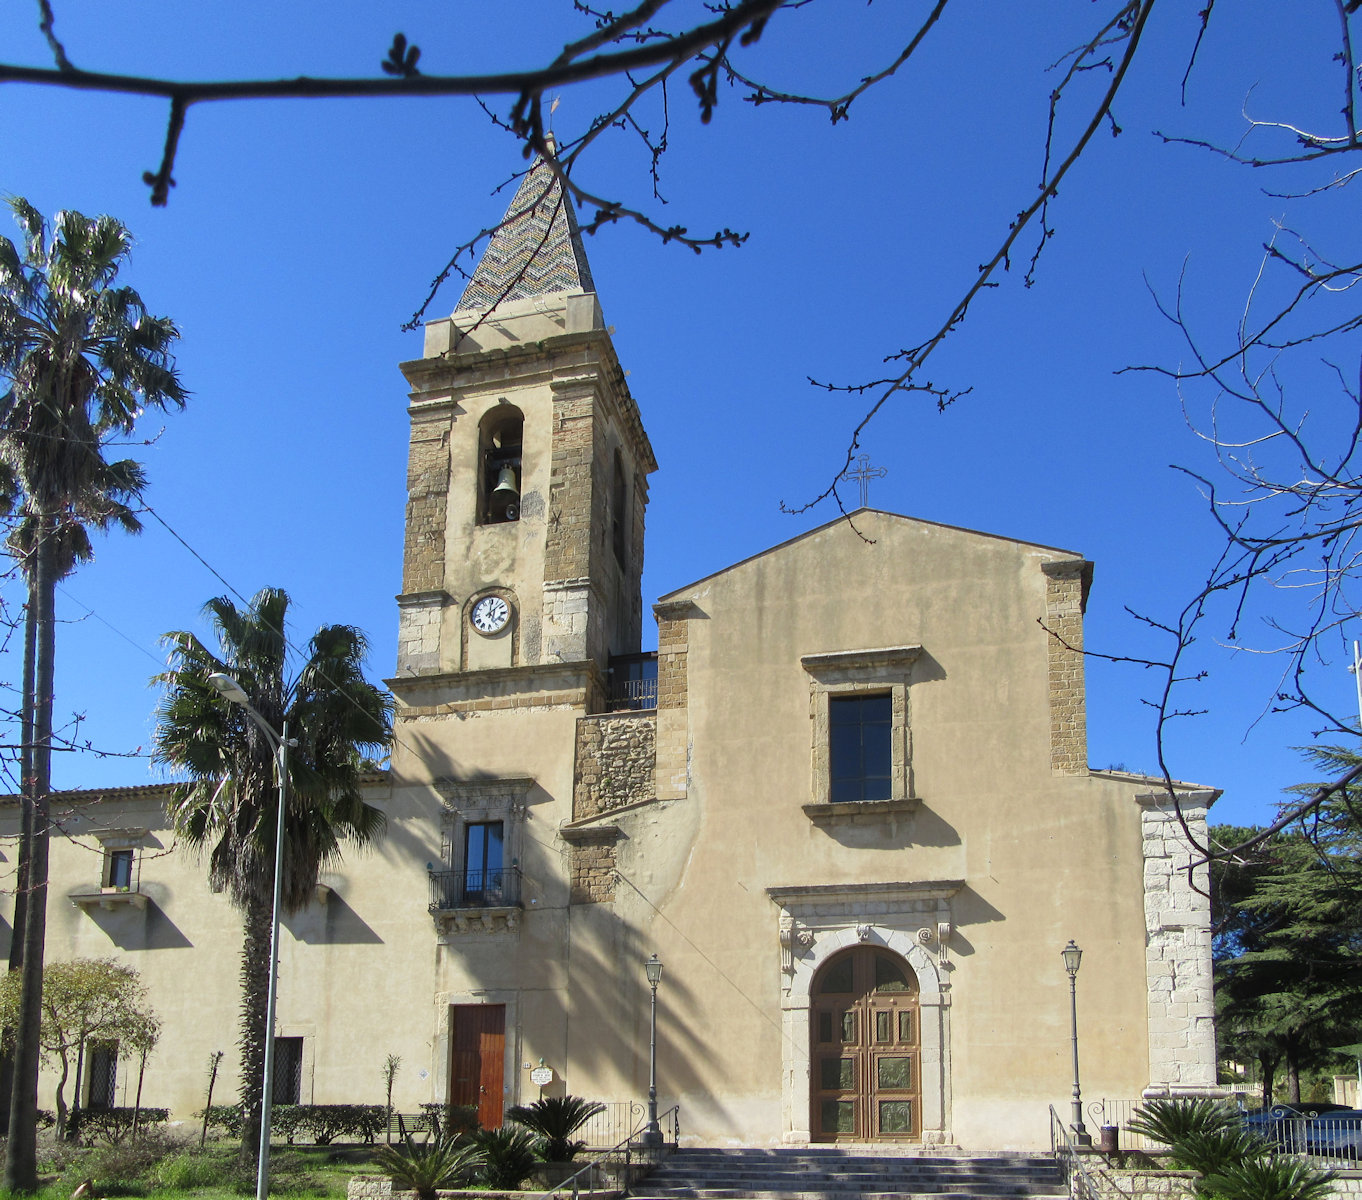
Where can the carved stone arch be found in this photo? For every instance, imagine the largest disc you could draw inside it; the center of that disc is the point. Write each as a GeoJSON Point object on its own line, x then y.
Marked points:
{"type": "Point", "coordinates": [501, 434]}
{"type": "Point", "coordinates": [819, 922]}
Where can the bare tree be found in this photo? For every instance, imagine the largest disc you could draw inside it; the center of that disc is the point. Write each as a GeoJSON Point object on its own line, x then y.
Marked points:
{"type": "Point", "coordinates": [1276, 401]}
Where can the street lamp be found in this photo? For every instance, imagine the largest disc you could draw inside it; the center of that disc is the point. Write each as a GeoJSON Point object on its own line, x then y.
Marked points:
{"type": "Point", "coordinates": [230, 690]}
{"type": "Point", "coordinates": [652, 1133]}
{"type": "Point", "coordinates": [1072, 956]}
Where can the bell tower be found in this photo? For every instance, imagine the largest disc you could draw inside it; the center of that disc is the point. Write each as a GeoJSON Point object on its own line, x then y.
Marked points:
{"type": "Point", "coordinates": [528, 469]}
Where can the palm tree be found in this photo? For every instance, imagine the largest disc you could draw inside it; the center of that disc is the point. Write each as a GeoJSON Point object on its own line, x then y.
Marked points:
{"type": "Point", "coordinates": [227, 805]}
{"type": "Point", "coordinates": [82, 356]}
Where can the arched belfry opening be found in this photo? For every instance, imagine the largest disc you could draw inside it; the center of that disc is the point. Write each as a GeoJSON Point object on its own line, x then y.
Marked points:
{"type": "Point", "coordinates": [499, 447]}
{"type": "Point", "coordinates": [865, 1048]}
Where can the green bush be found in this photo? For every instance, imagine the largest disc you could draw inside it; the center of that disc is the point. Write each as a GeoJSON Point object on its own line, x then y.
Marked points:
{"type": "Point", "coordinates": [1169, 1121]}
{"type": "Point", "coordinates": [556, 1119]}
{"type": "Point", "coordinates": [1270, 1177]}
{"type": "Point", "coordinates": [510, 1157]}
{"type": "Point", "coordinates": [449, 1120]}
{"type": "Point", "coordinates": [188, 1170]}
{"type": "Point", "coordinates": [321, 1123]}
{"type": "Point", "coordinates": [1215, 1150]}
{"type": "Point", "coordinates": [442, 1162]}
{"type": "Point", "coordinates": [223, 1119]}
{"type": "Point", "coordinates": [125, 1168]}
{"type": "Point", "coordinates": [111, 1125]}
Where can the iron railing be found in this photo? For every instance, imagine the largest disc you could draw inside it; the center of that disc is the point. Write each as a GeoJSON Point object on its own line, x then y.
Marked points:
{"type": "Point", "coordinates": [1077, 1178]}
{"type": "Point", "coordinates": [1118, 1113]}
{"type": "Point", "coordinates": [632, 683]}
{"type": "Point", "coordinates": [626, 1161]}
{"type": "Point", "coordinates": [1326, 1140]}
{"type": "Point", "coordinates": [498, 888]}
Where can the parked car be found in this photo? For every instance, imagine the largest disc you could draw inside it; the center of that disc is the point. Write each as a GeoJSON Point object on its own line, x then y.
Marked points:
{"type": "Point", "coordinates": [1324, 1129]}
{"type": "Point", "coordinates": [1336, 1133]}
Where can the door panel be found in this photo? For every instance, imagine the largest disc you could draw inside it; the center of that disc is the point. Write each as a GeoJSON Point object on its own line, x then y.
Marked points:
{"type": "Point", "coordinates": [477, 1046]}
{"type": "Point", "coordinates": [864, 1052]}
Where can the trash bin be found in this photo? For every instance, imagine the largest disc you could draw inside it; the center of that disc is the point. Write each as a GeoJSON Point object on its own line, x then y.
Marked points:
{"type": "Point", "coordinates": [1109, 1139]}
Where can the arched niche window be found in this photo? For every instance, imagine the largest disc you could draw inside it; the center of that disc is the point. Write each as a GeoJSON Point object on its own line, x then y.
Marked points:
{"type": "Point", "coordinates": [499, 445]}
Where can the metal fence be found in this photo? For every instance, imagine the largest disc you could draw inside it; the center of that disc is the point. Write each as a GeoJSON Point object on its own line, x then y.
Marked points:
{"type": "Point", "coordinates": [619, 1120]}
{"type": "Point", "coordinates": [1326, 1140]}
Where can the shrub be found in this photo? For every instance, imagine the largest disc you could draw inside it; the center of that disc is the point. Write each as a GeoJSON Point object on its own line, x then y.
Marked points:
{"type": "Point", "coordinates": [1269, 1178]}
{"type": "Point", "coordinates": [125, 1168]}
{"type": "Point", "coordinates": [510, 1155]}
{"type": "Point", "coordinates": [449, 1120]}
{"type": "Point", "coordinates": [111, 1125]}
{"type": "Point", "coordinates": [223, 1119]}
{"type": "Point", "coordinates": [443, 1162]}
{"type": "Point", "coordinates": [1169, 1121]}
{"type": "Point", "coordinates": [556, 1119]}
{"type": "Point", "coordinates": [186, 1170]}
{"type": "Point", "coordinates": [1215, 1150]}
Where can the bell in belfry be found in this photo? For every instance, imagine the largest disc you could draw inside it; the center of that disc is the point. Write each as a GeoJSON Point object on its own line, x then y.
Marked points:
{"type": "Point", "coordinates": [505, 499]}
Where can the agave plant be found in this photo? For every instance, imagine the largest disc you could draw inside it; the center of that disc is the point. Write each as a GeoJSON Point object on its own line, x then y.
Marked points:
{"type": "Point", "coordinates": [443, 1162]}
{"type": "Point", "coordinates": [1216, 1150]}
{"type": "Point", "coordinates": [1170, 1121]}
{"type": "Point", "coordinates": [556, 1119]}
{"type": "Point", "coordinates": [1269, 1178]}
{"type": "Point", "coordinates": [508, 1157]}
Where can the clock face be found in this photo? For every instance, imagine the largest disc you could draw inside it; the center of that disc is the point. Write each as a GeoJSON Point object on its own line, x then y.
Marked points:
{"type": "Point", "coordinates": [490, 615]}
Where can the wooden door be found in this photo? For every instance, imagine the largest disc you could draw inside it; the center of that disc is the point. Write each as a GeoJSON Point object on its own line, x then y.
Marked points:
{"type": "Point", "coordinates": [863, 1055]}
{"type": "Point", "coordinates": [477, 1048]}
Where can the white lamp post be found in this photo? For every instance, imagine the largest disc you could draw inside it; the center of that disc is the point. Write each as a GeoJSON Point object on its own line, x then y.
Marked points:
{"type": "Point", "coordinates": [652, 1133]}
{"type": "Point", "coordinates": [229, 689]}
{"type": "Point", "coordinates": [1072, 956]}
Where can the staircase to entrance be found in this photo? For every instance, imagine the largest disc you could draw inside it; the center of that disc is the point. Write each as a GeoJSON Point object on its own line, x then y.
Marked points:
{"type": "Point", "coordinates": [837, 1173]}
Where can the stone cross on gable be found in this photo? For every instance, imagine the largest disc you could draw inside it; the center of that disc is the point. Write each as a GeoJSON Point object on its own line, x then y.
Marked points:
{"type": "Point", "coordinates": [862, 472]}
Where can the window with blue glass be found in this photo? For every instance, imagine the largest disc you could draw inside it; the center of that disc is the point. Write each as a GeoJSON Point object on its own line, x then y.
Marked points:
{"type": "Point", "coordinates": [860, 737]}
{"type": "Point", "coordinates": [483, 862]}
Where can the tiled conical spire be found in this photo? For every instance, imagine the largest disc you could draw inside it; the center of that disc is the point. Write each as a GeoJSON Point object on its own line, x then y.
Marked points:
{"type": "Point", "coordinates": [536, 252]}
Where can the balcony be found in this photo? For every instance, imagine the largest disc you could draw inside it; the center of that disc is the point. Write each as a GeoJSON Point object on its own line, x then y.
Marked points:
{"type": "Point", "coordinates": [110, 897]}
{"type": "Point", "coordinates": [632, 683]}
{"type": "Point", "coordinates": [476, 901]}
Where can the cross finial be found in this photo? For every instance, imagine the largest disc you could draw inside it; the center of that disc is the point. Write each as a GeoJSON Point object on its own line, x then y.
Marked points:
{"type": "Point", "coordinates": [862, 472]}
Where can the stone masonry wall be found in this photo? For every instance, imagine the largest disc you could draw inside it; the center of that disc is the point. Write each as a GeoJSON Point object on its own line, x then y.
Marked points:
{"type": "Point", "coordinates": [593, 869]}
{"type": "Point", "coordinates": [1177, 947]}
{"type": "Point", "coordinates": [419, 620]}
{"type": "Point", "coordinates": [567, 552]}
{"type": "Point", "coordinates": [673, 729]}
{"type": "Point", "coordinates": [1113, 1184]}
{"type": "Point", "coordinates": [616, 758]}
{"type": "Point", "coordinates": [423, 562]}
{"type": "Point", "coordinates": [1064, 621]}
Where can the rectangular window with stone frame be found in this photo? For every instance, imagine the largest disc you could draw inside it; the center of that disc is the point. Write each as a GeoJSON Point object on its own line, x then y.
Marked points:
{"type": "Point", "coordinates": [862, 742]}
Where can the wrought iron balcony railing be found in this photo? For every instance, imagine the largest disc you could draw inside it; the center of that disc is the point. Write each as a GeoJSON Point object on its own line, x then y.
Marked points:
{"type": "Point", "coordinates": [632, 684]}
{"type": "Point", "coordinates": [475, 889]}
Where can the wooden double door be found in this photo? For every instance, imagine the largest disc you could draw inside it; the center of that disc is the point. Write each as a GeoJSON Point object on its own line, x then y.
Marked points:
{"type": "Point", "coordinates": [865, 1049]}
{"type": "Point", "coordinates": [477, 1056]}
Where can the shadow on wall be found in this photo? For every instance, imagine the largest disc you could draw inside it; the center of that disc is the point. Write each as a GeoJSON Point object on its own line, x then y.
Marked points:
{"type": "Point", "coordinates": [330, 921]}
{"type": "Point", "coordinates": [131, 928]}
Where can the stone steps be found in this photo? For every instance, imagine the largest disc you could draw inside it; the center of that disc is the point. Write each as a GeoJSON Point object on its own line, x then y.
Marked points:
{"type": "Point", "coordinates": [837, 1173]}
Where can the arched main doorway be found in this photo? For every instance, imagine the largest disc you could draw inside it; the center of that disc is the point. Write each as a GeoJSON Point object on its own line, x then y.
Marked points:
{"type": "Point", "coordinates": [864, 1052]}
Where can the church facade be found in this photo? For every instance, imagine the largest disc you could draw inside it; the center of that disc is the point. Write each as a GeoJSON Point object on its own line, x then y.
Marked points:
{"type": "Point", "coordinates": [846, 802]}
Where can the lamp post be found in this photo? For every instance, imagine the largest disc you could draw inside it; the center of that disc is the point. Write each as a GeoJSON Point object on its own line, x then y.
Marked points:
{"type": "Point", "coordinates": [1072, 956]}
{"type": "Point", "coordinates": [230, 690]}
{"type": "Point", "coordinates": [652, 1133]}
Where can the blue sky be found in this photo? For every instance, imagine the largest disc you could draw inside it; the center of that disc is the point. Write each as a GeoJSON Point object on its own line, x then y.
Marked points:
{"type": "Point", "coordinates": [302, 234]}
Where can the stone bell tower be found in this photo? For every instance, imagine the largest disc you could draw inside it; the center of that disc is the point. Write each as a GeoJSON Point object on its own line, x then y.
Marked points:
{"type": "Point", "coordinates": [527, 477]}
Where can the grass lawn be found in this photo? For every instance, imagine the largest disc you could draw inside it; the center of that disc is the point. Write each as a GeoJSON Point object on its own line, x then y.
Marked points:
{"type": "Point", "coordinates": [164, 1165]}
